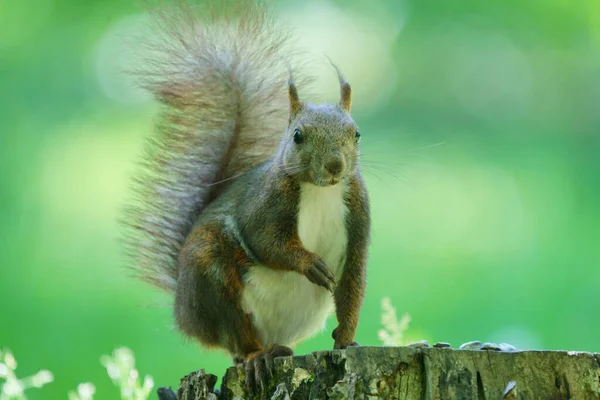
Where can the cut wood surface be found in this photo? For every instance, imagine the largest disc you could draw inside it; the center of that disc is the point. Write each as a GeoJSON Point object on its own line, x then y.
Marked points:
{"type": "Point", "coordinates": [414, 373]}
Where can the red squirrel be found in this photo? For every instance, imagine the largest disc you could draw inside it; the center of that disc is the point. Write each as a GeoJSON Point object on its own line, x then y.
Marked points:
{"type": "Point", "coordinates": [250, 206]}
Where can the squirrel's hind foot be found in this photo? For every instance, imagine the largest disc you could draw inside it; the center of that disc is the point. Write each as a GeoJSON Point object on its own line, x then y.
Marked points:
{"type": "Point", "coordinates": [259, 367]}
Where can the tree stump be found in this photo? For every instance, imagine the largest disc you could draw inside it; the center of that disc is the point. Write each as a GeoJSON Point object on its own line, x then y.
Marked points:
{"type": "Point", "coordinates": [414, 373]}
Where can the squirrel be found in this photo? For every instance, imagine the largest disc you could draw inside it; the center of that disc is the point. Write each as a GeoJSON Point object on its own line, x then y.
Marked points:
{"type": "Point", "coordinates": [250, 207]}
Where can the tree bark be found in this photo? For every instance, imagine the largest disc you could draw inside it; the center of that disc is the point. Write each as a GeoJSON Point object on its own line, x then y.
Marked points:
{"type": "Point", "coordinates": [413, 373]}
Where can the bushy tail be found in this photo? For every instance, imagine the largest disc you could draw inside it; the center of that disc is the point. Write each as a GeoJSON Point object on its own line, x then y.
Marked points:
{"type": "Point", "coordinates": [220, 75]}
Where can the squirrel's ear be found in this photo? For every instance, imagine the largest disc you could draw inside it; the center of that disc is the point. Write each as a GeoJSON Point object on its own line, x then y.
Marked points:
{"type": "Point", "coordinates": [295, 103]}
{"type": "Point", "coordinates": [345, 95]}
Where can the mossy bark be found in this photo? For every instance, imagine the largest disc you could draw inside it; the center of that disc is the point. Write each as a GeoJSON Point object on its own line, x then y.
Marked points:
{"type": "Point", "coordinates": [410, 373]}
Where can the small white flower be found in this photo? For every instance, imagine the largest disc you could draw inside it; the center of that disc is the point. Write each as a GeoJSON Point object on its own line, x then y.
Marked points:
{"type": "Point", "coordinates": [86, 391]}
{"type": "Point", "coordinates": [127, 392]}
{"type": "Point", "coordinates": [113, 371]}
{"type": "Point", "coordinates": [10, 361]}
{"type": "Point", "coordinates": [41, 378]}
{"type": "Point", "coordinates": [124, 357]}
{"type": "Point", "coordinates": [13, 388]}
{"type": "Point", "coordinates": [148, 383]}
{"type": "Point", "coordinates": [121, 369]}
{"type": "Point", "coordinates": [3, 370]}
{"type": "Point", "coordinates": [133, 375]}
{"type": "Point", "coordinates": [393, 330]}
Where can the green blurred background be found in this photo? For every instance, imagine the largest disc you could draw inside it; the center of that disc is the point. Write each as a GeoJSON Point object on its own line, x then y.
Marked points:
{"type": "Point", "coordinates": [481, 124]}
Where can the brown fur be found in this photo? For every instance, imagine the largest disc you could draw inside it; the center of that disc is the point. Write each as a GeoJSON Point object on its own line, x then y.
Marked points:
{"type": "Point", "coordinates": [351, 287]}
{"type": "Point", "coordinates": [207, 303]}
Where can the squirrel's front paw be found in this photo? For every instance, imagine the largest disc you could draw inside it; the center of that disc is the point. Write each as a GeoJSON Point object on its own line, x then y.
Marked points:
{"type": "Point", "coordinates": [319, 274]}
{"type": "Point", "coordinates": [340, 345]}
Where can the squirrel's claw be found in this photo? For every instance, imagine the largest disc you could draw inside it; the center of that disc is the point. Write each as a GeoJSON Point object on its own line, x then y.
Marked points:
{"type": "Point", "coordinates": [260, 375]}
{"type": "Point", "coordinates": [268, 359]}
{"type": "Point", "coordinates": [321, 275]}
{"type": "Point", "coordinates": [259, 367]}
{"type": "Point", "coordinates": [249, 368]}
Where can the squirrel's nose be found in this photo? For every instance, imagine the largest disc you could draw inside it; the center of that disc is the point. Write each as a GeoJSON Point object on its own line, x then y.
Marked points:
{"type": "Point", "coordinates": [334, 166]}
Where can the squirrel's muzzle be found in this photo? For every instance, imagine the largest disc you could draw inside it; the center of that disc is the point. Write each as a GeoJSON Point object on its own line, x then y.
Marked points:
{"type": "Point", "coordinates": [335, 166]}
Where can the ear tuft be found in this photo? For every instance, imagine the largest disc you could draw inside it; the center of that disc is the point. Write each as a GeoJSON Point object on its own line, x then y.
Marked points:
{"type": "Point", "coordinates": [345, 95]}
{"type": "Point", "coordinates": [345, 89]}
{"type": "Point", "coordinates": [295, 103]}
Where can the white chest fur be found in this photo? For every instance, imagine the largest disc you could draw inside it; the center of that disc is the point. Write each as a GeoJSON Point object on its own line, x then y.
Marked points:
{"type": "Point", "coordinates": [285, 306]}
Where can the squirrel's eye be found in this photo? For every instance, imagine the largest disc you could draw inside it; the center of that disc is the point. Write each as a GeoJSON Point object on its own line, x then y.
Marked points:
{"type": "Point", "coordinates": [298, 138]}
{"type": "Point", "coordinates": [357, 136]}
